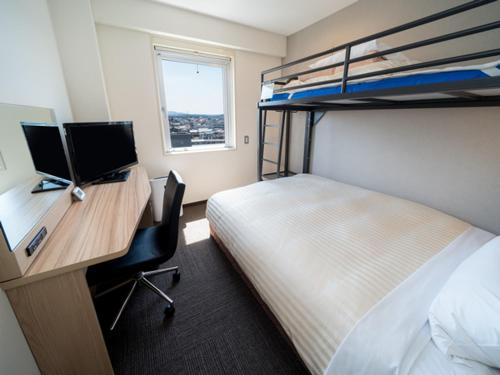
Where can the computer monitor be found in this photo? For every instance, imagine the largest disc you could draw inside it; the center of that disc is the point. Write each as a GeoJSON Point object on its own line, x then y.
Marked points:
{"type": "Point", "coordinates": [100, 152]}
{"type": "Point", "coordinates": [47, 151]}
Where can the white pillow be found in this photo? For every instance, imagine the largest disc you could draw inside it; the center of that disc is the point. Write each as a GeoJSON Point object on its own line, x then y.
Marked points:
{"type": "Point", "coordinates": [465, 316]}
{"type": "Point", "coordinates": [373, 67]}
{"type": "Point", "coordinates": [368, 68]}
{"type": "Point", "coordinates": [293, 83]}
{"type": "Point", "coordinates": [361, 50]}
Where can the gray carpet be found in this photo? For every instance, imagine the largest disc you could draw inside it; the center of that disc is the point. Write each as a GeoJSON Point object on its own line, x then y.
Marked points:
{"type": "Point", "coordinates": [218, 326]}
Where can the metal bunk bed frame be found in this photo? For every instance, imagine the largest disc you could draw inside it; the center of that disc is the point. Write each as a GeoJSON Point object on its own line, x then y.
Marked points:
{"type": "Point", "coordinates": [374, 99]}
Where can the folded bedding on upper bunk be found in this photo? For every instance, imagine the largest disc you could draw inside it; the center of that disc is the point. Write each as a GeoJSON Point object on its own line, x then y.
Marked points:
{"type": "Point", "coordinates": [361, 69]}
{"type": "Point", "coordinates": [398, 80]}
{"type": "Point", "coordinates": [321, 253]}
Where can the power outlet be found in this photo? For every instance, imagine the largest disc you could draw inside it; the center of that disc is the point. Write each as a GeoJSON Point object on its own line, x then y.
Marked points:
{"type": "Point", "coordinates": [246, 139]}
{"type": "Point", "coordinates": [3, 167]}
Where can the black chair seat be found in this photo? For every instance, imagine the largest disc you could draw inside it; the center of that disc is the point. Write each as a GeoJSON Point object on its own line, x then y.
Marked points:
{"type": "Point", "coordinates": [144, 254]}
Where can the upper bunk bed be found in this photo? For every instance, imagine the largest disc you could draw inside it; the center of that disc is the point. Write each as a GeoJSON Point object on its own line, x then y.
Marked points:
{"type": "Point", "coordinates": [363, 74]}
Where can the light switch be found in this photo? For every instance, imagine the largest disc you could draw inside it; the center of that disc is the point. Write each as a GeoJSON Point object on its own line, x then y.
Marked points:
{"type": "Point", "coordinates": [3, 167]}
{"type": "Point", "coordinates": [246, 139]}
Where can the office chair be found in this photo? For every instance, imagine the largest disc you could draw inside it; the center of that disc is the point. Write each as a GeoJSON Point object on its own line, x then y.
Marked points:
{"type": "Point", "coordinates": [150, 247]}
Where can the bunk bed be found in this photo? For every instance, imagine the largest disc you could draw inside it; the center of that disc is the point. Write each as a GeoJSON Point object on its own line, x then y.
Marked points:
{"type": "Point", "coordinates": [430, 84]}
{"type": "Point", "coordinates": [349, 274]}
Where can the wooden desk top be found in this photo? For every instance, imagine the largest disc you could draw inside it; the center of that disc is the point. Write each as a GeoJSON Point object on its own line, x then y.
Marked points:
{"type": "Point", "coordinates": [93, 231]}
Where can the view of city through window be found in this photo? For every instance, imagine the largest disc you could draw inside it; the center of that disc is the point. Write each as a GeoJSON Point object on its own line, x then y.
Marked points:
{"type": "Point", "coordinates": [195, 103]}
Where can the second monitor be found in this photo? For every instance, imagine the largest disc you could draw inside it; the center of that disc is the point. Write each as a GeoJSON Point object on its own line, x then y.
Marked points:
{"type": "Point", "coordinates": [100, 152]}
{"type": "Point", "coordinates": [47, 151]}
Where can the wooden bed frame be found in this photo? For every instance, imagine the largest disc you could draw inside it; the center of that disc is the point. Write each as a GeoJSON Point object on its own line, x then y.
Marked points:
{"type": "Point", "coordinates": [270, 314]}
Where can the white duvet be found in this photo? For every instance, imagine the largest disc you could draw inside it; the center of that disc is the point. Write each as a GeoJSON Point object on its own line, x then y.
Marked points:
{"type": "Point", "coordinates": [322, 254]}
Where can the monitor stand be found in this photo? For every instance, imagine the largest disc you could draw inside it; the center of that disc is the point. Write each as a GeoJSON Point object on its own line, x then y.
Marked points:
{"type": "Point", "coordinates": [49, 184]}
{"type": "Point", "coordinates": [121, 176]}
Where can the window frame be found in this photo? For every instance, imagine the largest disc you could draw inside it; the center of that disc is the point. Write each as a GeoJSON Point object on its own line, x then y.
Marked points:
{"type": "Point", "coordinates": [225, 62]}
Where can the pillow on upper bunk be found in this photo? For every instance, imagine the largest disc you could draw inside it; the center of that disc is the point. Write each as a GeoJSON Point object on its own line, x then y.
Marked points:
{"type": "Point", "coordinates": [358, 68]}
{"type": "Point", "coordinates": [465, 316]}
{"type": "Point", "coordinates": [362, 50]}
{"type": "Point", "coordinates": [355, 70]}
{"type": "Point", "coordinates": [293, 82]}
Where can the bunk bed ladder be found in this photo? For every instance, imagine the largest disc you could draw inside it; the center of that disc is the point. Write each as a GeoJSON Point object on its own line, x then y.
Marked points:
{"type": "Point", "coordinates": [283, 128]}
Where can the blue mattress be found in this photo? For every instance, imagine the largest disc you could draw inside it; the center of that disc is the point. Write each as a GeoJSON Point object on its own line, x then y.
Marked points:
{"type": "Point", "coordinates": [387, 83]}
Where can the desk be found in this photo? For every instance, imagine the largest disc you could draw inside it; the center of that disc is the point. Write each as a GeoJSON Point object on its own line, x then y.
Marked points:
{"type": "Point", "coordinates": [52, 301]}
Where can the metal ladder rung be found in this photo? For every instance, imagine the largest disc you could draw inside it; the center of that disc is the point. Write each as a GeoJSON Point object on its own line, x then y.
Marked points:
{"type": "Point", "coordinates": [270, 161]}
{"type": "Point", "coordinates": [268, 177]}
{"type": "Point", "coordinates": [271, 126]}
{"type": "Point", "coordinates": [272, 175]}
{"type": "Point", "coordinates": [272, 144]}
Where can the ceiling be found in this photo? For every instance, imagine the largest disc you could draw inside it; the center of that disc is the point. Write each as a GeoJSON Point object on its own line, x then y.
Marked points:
{"type": "Point", "coordinates": [283, 17]}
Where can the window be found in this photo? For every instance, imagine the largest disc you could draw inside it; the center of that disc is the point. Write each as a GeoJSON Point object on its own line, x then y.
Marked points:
{"type": "Point", "coordinates": [195, 93]}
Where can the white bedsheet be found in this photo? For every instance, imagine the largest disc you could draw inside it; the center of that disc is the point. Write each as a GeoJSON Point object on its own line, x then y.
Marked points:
{"type": "Point", "coordinates": [431, 361]}
{"type": "Point", "coordinates": [321, 253]}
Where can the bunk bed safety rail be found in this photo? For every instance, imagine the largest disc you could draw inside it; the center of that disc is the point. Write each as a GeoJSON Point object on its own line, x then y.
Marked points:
{"type": "Point", "coordinates": [423, 43]}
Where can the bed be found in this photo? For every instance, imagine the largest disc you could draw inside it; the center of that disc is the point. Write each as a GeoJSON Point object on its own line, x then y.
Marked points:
{"type": "Point", "coordinates": [367, 74]}
{"type": "Point", "coordinates": [406, 83]}
{"type": "Point", "coordinates": [334, 262]}
{"type": "Point", "coordinates": [395, 81]}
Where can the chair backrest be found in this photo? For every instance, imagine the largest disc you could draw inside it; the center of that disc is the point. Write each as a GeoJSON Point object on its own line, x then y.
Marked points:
{"type": "Point", "coordinates": [168, 230]}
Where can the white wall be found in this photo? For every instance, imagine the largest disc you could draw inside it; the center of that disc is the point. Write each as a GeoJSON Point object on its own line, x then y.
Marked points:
{"type": "Point", "coordinates": [74, 28]}
{"type": "Point", "coordinates": [153, 17]}
{"type": "Point", "coordinates": [444, 158]}
{"type": "Point", "coordinates": [15, 356]}
{"type": "Point", "coordinates": [127, 58]}
{"type": "Point", "coordinates": [30, 74]}
{"type": "Point", "coordinates": [30, 69]}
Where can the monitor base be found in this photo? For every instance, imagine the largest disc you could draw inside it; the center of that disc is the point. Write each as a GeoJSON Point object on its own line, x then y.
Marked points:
{"type": "Point", "coordinates": [49, 184]}
{"type": "Point", "coordinates": [121, 176]}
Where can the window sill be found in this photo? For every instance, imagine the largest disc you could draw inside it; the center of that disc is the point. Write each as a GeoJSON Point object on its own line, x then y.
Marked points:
{"type": "Point", "coordinates": [197, 151]}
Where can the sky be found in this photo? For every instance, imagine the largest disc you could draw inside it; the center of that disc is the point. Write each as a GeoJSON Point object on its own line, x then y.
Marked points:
{"type": "Point", "coordinates": [191, 92]}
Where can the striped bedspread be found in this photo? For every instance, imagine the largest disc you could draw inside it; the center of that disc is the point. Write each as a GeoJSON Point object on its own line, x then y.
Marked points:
{"type": "Point", "coordinates": [321, 253]}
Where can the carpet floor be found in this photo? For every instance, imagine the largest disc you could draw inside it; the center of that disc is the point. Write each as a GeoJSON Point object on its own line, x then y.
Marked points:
{"type": "Point", "coordinates": [218, 326]}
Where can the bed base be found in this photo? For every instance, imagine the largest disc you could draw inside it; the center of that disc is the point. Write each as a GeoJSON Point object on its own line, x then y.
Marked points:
{"type": "Point", "coordinates": [265, 307]}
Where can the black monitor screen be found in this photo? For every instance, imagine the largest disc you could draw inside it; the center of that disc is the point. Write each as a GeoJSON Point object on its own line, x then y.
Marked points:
{"type": "Point", "coordinates": [98, 149]}
{"type": "Point", "coordinates": [47, 150]}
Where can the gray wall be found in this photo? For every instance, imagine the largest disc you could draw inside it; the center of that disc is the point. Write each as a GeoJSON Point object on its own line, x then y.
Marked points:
{"type": "Point", "coordinates": [448, 159]}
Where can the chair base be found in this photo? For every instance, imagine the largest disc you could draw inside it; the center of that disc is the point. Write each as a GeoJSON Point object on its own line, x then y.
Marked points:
{"type": "Point", "coordinates": [140, 278]}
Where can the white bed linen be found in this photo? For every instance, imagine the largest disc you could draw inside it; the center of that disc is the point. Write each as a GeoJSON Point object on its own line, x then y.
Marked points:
{"type": "Point", "coordinates": [394, 337]}
{"type": "Point", "coordinates": [367, 68]}
{"type": "Point", "coordinates": [321, 253]}
{"type": "Point", "coordinates": [465, 315]}
{"type": "Point", "coordinates": [363, 49]}
{"type": "Point", "coordinates": [431, 361]}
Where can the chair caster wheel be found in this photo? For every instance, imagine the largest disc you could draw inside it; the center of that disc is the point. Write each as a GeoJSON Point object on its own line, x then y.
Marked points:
{"type": "Point", "coordinates": [176, 277]}
{"type": "Point", "coordinates": [170, 309]}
